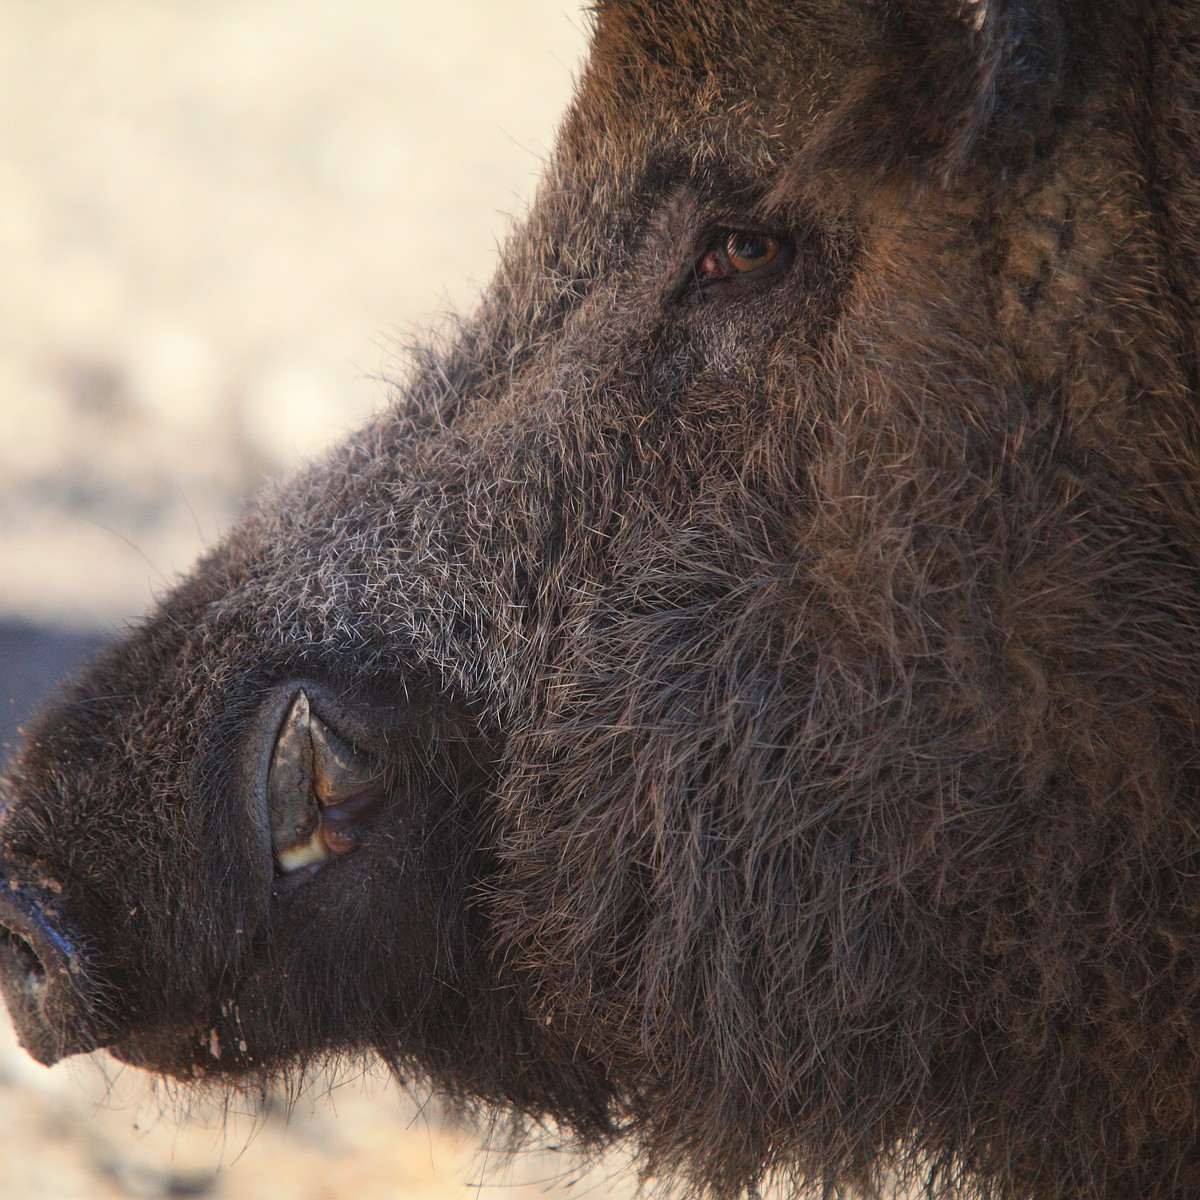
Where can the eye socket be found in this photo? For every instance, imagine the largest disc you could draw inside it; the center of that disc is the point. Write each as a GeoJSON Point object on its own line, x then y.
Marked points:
{"type": "Point", "coordinates": [737, 253]}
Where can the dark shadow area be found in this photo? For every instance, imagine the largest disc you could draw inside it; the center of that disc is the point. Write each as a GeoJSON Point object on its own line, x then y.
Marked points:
{"type": "Point", "coordinates": [33, 659]}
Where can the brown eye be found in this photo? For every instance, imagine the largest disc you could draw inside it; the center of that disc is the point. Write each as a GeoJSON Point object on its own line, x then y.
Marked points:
{"type": "Point", "coordinates": [738, 254]}
{"type": "Point", "coordinates": [749, 251]}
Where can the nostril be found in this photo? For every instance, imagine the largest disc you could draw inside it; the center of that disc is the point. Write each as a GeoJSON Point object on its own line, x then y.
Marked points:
{"type": "Point", "coordinates": [25, 955]}
{"type": "Point", "coordinates": [32, 934]}
{"type": "Point", "coordinates": [43, 974]}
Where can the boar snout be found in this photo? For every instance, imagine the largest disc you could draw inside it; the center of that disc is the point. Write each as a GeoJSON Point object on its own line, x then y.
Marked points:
{"type": "Point", "coordinates": [349, 812]}
{"type": "Point", "coordinates": [44, 973]}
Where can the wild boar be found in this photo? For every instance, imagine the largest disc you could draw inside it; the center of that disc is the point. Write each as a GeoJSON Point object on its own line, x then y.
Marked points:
{"type": "Point", "coordinates": [743, 695]}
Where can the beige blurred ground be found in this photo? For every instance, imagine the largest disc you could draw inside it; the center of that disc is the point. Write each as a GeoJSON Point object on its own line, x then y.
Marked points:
{"type": "Point", "coordinates": [214, 216]}
{"type": "Point", "coordinates": [91, 1131]}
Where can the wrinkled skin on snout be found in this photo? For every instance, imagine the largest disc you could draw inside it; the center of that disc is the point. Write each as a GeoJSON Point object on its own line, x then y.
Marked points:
{"type": "Point", "coordinates": [743, 693]}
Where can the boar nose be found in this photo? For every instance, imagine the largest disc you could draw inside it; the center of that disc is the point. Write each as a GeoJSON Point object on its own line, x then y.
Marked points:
{"type": "Point", "coordinates": [43, 972]}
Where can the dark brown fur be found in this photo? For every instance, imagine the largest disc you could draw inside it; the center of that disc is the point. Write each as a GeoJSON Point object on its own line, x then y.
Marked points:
{"type": "Point", "coordinates": [790, 692]}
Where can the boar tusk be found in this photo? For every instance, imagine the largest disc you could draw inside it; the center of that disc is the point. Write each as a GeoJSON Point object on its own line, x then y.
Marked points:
{"type": "Point", "coordinates": [341, 772]}
{"type": "Point", "coordinates": [312, 769]}
{"type": "Point", "coordinates": [292, 808]}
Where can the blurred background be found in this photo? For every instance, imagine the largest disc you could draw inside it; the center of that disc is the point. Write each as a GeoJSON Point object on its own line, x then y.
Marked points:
{"type": "Point", "coordinates": [216, 218]}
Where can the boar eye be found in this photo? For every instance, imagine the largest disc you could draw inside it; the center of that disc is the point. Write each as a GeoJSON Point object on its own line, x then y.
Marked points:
{"type": "Point", "coordinates": [749, 251]}
{"type": "Point", "coordinates": [735, 254]}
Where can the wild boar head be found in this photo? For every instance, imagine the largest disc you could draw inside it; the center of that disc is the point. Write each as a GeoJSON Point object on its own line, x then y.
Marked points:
{"type": "Point", "coordinates": [744, 691]}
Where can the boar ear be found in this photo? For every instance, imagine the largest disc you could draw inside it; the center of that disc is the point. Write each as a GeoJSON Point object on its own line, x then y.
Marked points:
{"type": "Point", "coordinates": [948, 79]}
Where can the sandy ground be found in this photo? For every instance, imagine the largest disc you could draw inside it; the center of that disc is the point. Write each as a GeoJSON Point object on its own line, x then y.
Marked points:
{"type": "Point", "coordinates": [216, 218]}
{"type": "Point", "coordinates": [90, 1131]}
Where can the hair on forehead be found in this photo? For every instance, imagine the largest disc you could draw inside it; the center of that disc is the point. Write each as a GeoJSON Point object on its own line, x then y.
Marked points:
{"type": "Point", "coordinates": [930, 84]}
